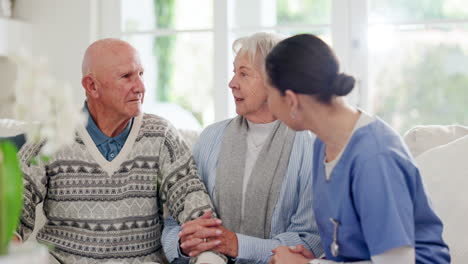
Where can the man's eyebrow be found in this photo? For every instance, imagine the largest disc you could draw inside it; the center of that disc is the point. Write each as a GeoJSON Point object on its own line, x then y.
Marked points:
{"type": "Point", "coordinates": [124, 70]}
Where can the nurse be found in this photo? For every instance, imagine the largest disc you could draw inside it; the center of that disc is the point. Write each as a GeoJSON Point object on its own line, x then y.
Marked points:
{"type": "Point", "coordinates": [369, 200]}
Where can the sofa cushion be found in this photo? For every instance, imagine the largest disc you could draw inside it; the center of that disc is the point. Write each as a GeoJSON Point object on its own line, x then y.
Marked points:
{"type": "Point", "coordinates": [422, 138]}
{"type": "Point", "coordinates": [11, 128]}
{"type": "Point", "coordinates": [444, 170]}
{"type": "Point", "coordinates": [190, 136]}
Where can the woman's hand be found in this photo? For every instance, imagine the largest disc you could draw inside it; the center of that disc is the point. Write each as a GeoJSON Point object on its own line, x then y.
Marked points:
{"type": "Point", "coordinates": [287, 255]}
{"type": "Point", "coordinates": [228, 243]}
{"type": "Point", "coordinates": [200, 235]}
{"type": "Point", "coordinates": [300, 249]}
{"type": "Point", "coordinates": [217, 238]}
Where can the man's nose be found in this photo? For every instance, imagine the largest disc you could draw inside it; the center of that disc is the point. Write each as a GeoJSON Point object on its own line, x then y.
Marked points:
{"type": "Point", "coordinates": [139, 86]}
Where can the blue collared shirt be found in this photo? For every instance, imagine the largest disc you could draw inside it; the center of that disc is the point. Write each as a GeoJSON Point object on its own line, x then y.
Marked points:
{"type": "Point", "coordinates": [108, 146]}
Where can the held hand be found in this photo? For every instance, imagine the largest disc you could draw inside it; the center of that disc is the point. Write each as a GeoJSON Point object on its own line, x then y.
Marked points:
{"type": "Point", "coordinates": [303, 251]}
{"type": "Point", "coordinates": [225, 243]}
{"type": "Point", "coordinates": [228, 243]}
{"type": "Point", "coordinates": [194, 234]}
{"type": "Point", "coordinates": [283, 255]}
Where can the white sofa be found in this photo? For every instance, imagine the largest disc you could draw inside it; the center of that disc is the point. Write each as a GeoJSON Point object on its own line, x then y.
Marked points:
{"type": "Point", "coordinates": [441, 153]}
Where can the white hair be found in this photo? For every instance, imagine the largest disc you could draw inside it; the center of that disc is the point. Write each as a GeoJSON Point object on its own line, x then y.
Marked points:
{"type": "Point", "coordinates": [257, 46]}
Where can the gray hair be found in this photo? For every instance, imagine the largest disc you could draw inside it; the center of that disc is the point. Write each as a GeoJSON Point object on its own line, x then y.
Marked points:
{"type": "Point", "coordinates": [257, 47]}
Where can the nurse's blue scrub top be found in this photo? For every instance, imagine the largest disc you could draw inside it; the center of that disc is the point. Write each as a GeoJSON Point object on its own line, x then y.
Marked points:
{"type": "Point", "coordinates": [376, 194]}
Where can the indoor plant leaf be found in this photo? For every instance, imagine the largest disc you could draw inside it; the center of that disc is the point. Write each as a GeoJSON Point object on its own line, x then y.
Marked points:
{"type": "Point", "coordinates": [11, 193]}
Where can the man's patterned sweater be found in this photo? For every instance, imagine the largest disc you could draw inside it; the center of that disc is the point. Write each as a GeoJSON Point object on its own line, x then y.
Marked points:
{"type": "Point", "coordinates": [102, 211]}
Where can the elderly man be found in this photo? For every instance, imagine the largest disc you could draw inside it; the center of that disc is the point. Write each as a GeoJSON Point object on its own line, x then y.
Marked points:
{"type": "Point", "coordinates": [103, 195]}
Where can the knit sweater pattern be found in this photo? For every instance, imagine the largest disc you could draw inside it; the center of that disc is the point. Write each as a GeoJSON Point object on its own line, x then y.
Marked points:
{"type": "Point", "coordinates": [112, 212]}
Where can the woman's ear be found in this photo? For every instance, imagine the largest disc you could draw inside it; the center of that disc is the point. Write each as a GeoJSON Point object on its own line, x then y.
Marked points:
{"type": "Point", "coordinates": [89, 84]}
{"type": "Point", "coordinates": [292, 101]}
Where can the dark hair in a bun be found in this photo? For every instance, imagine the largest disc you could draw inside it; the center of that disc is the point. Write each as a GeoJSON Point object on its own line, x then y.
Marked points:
{"type": "Point", "coordinates": [305, 64]}
{"type": "Point", "coordinates": [343, 84]}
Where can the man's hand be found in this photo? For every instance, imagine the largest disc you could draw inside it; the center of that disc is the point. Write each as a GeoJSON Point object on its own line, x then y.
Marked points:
{"type": "Point", "coordinates": [200, 235]}
{"type": "Point", "coordinates": [229, 245]}
{"type": "Point", "coordinates": [285, 255]}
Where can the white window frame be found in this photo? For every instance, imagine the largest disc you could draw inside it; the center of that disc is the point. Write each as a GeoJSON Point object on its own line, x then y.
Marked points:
{"type": "Point", "coordinates": [349, 30]}
{"type": "Point", "coordinates": [110, 21]}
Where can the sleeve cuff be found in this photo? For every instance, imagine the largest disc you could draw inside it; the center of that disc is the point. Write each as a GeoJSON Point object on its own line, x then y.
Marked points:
{"type": "Point", "coordinates": [170, 240]}
{"type": "Point", "coordinates": [253, 248]}
{"type": "Point", "coordinates": [180, 253]}
{"type": "Point", "coordinates": [315, 245]}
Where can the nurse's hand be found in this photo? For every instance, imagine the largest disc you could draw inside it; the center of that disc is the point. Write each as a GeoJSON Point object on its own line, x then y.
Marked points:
{"type": "Point", "coordinates": [303, 251]}
{"type": "Point", "coordinates": [283, 255]}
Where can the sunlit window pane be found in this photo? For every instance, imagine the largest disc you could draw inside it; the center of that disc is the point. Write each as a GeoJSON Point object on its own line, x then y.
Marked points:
{"type": "Point", "coordinates": [138, 17]}
{"type": "Point", "coordinates": [271, 13]}
{"type": "Point", "coordinates": [418, 75]}
{"type": "Point", "coordinates": [179, 69]}
{"type": "Point", "coordinates": [144, 15]}
{"type": "Point", "coordinates": [390, 11]}
{"type": "Point", "coordinates": [303, 12]}
{"type": "Point", "coordinates": [322, 33]}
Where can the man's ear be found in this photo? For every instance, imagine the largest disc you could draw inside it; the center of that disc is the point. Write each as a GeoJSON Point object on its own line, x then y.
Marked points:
{"type": "Point", "coordinates": [89, 84]}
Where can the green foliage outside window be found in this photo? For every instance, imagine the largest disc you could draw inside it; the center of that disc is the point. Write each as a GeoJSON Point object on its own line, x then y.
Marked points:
{"type": "Point", "coordinates": [424, 89]}
{"type": "Point", "coordinates": [303, 11]}
{"type": "Point", "coordinates": [164, 47]}
{"type": "Point", "coordinates": [424, 78]}
{"type": "Point", "coordinates": [417, 10]}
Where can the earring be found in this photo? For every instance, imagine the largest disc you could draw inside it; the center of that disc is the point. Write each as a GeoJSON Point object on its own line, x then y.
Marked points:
{"type": "Point", "coordinates": [293, 114]}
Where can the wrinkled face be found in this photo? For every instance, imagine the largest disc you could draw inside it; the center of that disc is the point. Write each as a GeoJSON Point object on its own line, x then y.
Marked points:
{"type": "Point", "coordinates": [120, 82]}
{"type": "Point", "coordinates": [247, 87]}
{"type": "Point", "coordinates": [277, 103]}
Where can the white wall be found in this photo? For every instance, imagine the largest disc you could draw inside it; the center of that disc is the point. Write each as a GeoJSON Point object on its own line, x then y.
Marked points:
{"type": "Point", "coordinates": [13, 33]}
{"type": "Point", "coordinates": [61, 31]}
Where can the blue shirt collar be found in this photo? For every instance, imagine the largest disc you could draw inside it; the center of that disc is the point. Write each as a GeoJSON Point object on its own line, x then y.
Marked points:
{"type": "Point", "coordinates": [100, 138]}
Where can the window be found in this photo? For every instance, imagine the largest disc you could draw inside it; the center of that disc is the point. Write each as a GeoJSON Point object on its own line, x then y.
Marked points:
{"type": "Point", "coordinates": [418, 62]}
{"type": "Point", "coordinates": [286, 17]}
{"type": "Point", "coordinates": [410, 58]}
{"type": "Point", "coordinates": [176, 46]}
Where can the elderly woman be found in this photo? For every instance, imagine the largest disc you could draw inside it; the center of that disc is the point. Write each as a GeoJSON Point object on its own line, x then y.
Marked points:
{"type": "Point", "coordinates": [256, 171]}
{"type": "Point", "coordinates": [369, 200]}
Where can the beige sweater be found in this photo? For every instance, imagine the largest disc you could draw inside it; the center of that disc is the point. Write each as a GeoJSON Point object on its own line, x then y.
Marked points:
{"type": "Point", "coordinates": [102, 211]}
